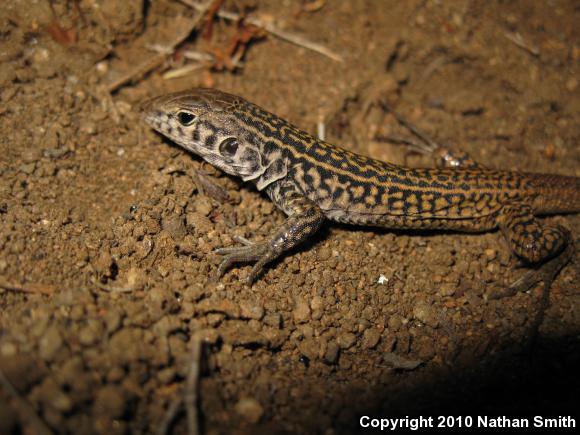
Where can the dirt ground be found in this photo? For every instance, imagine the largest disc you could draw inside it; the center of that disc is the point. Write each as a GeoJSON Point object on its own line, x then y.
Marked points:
{"type": "Point", "coordinates": [108, 231]}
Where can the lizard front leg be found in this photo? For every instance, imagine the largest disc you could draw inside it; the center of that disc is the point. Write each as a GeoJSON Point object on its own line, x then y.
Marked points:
{"type": "Point", "coordinates": [304, 219]}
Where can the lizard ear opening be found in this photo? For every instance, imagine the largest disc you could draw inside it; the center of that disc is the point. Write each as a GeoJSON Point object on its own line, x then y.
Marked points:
{"type": "Point", "coordinates": [229, 146]}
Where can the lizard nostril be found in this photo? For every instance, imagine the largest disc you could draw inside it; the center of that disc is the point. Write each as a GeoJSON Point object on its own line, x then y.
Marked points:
{"type": "Point", "coordinates": [145, 106]}
{"type": "Point", "coordinates": [148, 108]}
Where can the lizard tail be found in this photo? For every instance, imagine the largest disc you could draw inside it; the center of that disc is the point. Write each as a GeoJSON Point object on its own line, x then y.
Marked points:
{"type": "Point", "coordinates": [557, 193]}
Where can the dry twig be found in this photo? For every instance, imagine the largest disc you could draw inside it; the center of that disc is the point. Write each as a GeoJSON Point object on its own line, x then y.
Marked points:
{"type": "Point", "coordinates": [45, 289]}
{"type": "Point", "coordinates": [192, 387]}
{"type": "Point", "coordinates": [189, 398]}
{"type": "Point", "coordinates": [202, 60]}
{"type": "Point", "coordinates": [231, 56]}
{"type": "Point", "coordinates": [321, 129]}
{"type": "Point", "coordinates": [170, 415]}
{"type": "Point", "coordinates": [313, 6]}
{"type": "Point", "coordinates": [27, 412]}
{"type": "Point", "coordinates": [154, 62]}
{"type": "Point", "coordinates": [207, 186]}
{"type": "Point", "coordinates": [518, 40]}
{"type": "Point", "coordinates": [112, 289]}
{"type": "Point", "coordinates": [182, 71]}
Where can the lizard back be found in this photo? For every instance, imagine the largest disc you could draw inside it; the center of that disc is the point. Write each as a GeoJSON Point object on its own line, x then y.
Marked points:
{"type": "Point", "coordinates": [352, 188]}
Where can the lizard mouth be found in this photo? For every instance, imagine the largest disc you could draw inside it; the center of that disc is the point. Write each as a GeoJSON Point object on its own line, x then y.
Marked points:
{"type": "Point", "coordinates": [152, 115]}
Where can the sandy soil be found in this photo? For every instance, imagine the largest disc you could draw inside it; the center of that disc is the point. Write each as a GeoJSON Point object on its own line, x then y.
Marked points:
{"type": "Point", "coordinates": [107, 230]}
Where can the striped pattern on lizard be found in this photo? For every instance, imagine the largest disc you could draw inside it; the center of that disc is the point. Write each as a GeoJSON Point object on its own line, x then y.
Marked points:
{"type": "Point", "coordinates": [311, 181]}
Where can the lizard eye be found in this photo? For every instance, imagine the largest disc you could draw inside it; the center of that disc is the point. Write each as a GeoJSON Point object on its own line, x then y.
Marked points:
{"type": "Point", "coordinates": [229, 146]}
{"type": "Point", "coordinates": [185, 118]}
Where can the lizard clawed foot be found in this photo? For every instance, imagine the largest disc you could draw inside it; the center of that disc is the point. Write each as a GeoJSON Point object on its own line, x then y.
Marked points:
{"type": "Point", "coordinates": [304, 219]}
{"type": "Point", "coordinates": [261, 253]}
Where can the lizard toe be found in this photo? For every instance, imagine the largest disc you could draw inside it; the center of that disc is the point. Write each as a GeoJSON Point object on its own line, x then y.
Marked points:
{"type": "Point", "coordinates": [244, 254]}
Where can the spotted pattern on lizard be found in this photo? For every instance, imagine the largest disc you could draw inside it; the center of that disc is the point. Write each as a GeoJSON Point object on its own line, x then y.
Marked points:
{"type": "Point", "coordinates": [312, 181]}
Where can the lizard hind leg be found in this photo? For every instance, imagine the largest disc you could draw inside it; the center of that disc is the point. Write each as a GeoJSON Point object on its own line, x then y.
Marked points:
{"type": "Point", "coordinates": [531, 240]}
{"type": "Point", "coordinates": [546, 248]}
{"type": "Point", "coordinates": [545, 273]}
{"type": "Point", "coordinates": [443, 156]}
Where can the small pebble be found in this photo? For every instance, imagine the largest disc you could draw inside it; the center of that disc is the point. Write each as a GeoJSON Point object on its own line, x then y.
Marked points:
{"type": "Point", "coordinates": [331, 354]}
{"type": "Point", "coordinates": [151, 225]}
{"type": "Point", "coordinates": [8, 349]}
{"type": "Point", "coordinates": [87, 336]}
{"type": "Point", "coordinates": [309, 348]}
{"type": "Point", "coordinates": [447, 289]}
{"type": "Point", "coordinates": [345, 340]}
{"type": "Point", "coordinates": [116, 374]}
{"type": "Point", "coordinates": [166, 375]}
{"type": "Point", "coordinates": [109, 402]}
{"type": "Point", "coordinates": [301, 312]}
{"type": "Point", "coordinates": [371, 338]}
{"type": "Point", "coordinates": [251, 310]}
{"type": "Point", "coordinates": [273, 319]}
{"type": "Point", "coordinates": [199, 222]}
{"type": "Point", "coordinates": [88, 127]}
{"type": "Point", "coordinates": [324, 254]}
{"type": "Point", "coordinates": [491, 254]}
{"type": "Point", "coordinates": [317, 303]}
{"type": "Point", "coordinates": [395, 322]}
{"type": "Point", "coordinates": [112, 320]}
{"type": "Point", "coordinates": [174, 225]}
{"type": "Point", "coordinates": [249, 409]}
{"type": "Point", "coordinates": [426, 314]}
{"type": "Point", "coordinates": [50, 343]}
{"type": "Point", "coordinates": [203, 205]}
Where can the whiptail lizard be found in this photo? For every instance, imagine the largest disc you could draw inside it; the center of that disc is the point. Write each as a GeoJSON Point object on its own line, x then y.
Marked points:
{"type": "Point", "coordinates": [311, 181]}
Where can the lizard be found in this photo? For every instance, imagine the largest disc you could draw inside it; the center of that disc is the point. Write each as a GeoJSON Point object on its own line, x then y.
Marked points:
{"type": "Point", "coordinates": [313, 181]}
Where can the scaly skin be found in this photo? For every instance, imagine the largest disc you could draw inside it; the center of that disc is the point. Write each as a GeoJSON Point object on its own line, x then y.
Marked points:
{"type": "Point", "coordinates": [311, 180]}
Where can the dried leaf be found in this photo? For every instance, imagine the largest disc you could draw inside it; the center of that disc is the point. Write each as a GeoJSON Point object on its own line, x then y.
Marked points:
{"type": "Point", "coordinates": [313, 6]}
{"type": "Point", "coordinates": [60, 35]}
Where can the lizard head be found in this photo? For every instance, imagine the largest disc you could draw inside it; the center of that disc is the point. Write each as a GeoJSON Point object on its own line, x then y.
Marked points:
{"type": "Point", "coordinates": [203, 121]}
